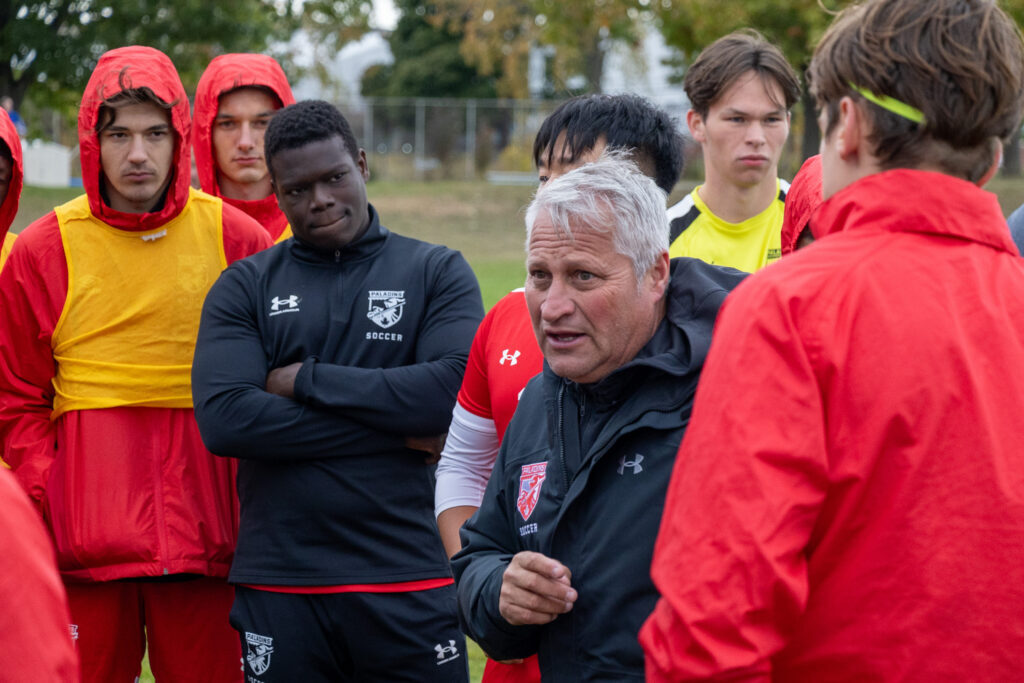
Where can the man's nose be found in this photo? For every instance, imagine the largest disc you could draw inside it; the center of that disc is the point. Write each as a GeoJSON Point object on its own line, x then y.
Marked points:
{"type": "Point", "coordinates": [246, 139]}
{"type": "Point", "coordinates": [558, 301]}
{"type": "Point", "coordinates": [756, 133]}
{"type": "Point", "coordinates": [137, 150]}
{"type": "Point", "coordinates": [321, 197]}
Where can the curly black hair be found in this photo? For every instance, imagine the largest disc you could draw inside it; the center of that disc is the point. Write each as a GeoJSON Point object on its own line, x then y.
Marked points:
{"type": "Point", "coordinates": [305, 122]}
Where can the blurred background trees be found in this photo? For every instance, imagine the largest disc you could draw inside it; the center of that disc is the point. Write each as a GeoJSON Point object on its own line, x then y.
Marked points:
{"type": "Point", "coordinates": [440, 48]}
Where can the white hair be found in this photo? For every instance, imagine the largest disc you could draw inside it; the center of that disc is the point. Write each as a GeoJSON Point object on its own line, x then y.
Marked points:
{"type": "Point", "coordinates": [607, 195]}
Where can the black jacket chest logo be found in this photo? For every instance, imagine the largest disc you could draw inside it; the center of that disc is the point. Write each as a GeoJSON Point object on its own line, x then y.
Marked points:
{"type": "Point", "coordinates": [386, 306]}
{"type": "Point", "coordinates": [531, 478]}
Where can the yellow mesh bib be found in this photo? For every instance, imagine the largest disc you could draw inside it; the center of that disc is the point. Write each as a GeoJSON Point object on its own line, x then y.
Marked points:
{"type": "Point", "coordinates": [128, 329]}
{"type": "Point", "coordinates": [285, 234]}
{"type": "Point", "coordinates": [5, 249]}
{"type": "Point", "coordinates": [746, 246]}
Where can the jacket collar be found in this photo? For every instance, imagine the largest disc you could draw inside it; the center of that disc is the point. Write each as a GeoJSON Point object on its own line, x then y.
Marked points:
{"type": "Point", "coordinates": [369, 244]}
{"type": "Point", "coordinates": [264, 211]}
{"type": "Point", "coordinates": [940, 205]}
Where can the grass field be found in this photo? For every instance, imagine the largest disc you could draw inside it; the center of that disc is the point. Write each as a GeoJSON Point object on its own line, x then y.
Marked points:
{"type": "Point", "coordinates": [484, 222]}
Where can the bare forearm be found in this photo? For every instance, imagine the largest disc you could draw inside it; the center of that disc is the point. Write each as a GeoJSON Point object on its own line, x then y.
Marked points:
{"type": "Point", "coordinates": [449, 522]}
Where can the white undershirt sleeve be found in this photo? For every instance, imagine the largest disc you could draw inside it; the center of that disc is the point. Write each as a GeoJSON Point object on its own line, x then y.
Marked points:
{"type": "Point", "coordinates": [466, 461]}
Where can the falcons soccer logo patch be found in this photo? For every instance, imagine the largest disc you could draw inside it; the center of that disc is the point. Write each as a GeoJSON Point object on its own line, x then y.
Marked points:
{"type": "Point", "coordinates": [530, 480]}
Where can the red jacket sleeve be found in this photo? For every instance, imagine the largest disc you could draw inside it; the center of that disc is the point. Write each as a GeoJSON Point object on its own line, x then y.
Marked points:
{"type": "Point", "coordinates": [37, 643]}
{"type": "Point", "coordinates": [243, 236]}
{"type": "Point", "coordinates": [730, 560]}
{"type": "Point", "coordinates": [33, 287]}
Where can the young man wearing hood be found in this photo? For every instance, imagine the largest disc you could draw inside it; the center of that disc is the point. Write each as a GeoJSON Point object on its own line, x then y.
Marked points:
{"type": "Point", "coordinates": [102, 300]}
{"type": "Point", "coordinates": [11, 175]}
{"type": "Point", "coordinates": [848, 503]}
{"type": "Point", "coordinates": [237, 97]}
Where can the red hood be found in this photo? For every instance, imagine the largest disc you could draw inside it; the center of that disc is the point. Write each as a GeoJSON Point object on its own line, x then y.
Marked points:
{"type": "Point", "coordinates": [141, 66]}
{"type": "Point", "coordinates": [9, 208]}
{"type": "Point", "coordinates": [803, 198]}
{"type": "Point", "coordinates": [224, 73]}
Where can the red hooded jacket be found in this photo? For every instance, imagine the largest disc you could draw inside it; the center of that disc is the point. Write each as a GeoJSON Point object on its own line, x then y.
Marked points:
{"type": "Point", "coordinates": [848, 502]}
{"type": "Point", "coordinates": [37, 644]}
{"type": "Point", "coordinates": [803, 198]}
{"type": "Point", "coordinates": [9, 207]}
{"type": "Point", "coordinates": [225, 73]}
{"type": "Point", "coordinates": [126, 492]}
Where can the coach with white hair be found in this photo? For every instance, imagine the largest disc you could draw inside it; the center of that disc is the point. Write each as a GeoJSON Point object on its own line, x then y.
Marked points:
{"type": "Point", "coordinates": [557, 559]}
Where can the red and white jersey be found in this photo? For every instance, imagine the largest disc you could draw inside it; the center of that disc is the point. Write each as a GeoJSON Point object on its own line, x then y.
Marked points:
{"type": "Point", "coordinates": [503, 358]}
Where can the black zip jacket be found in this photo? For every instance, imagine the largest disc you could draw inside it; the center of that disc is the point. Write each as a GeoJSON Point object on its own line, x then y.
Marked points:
{"type": "Point", "coordinates": [601, 519]}
{"type": "Point", "coordinates": [329, 493]}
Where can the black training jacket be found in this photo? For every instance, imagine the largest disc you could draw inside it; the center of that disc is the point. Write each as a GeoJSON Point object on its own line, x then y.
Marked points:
{"type": "Point", "coordinates": [329, 493]}
{"type": "Point", "coordinates": [601, 518]}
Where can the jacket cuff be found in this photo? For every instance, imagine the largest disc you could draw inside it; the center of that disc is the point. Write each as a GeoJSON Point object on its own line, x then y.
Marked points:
{"type": "Point", "coordinates": [304, 380]}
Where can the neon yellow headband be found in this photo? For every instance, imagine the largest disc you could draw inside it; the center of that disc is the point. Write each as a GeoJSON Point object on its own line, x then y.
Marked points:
{"type": "Point", "coordinates": [891, 104]}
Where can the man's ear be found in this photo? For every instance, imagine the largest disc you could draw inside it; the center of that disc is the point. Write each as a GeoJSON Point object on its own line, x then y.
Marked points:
{"type": "Point", "coordinates": [659, 273]}
{"type": "Point", "coordinates": [364, 168]}
{"type": "Point", "coordinates": [695, 122]}
{"type": "Point", "coordinates": [852, 130]}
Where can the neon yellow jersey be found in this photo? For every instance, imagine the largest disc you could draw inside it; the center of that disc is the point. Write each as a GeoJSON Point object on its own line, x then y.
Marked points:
{"type": "Point", "coordinates": [748, 246]}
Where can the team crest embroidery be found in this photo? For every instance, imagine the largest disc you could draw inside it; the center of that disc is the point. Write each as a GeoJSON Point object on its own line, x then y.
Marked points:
{"type": "Point", "coordinates": [386, 306]}
{"type": "Point", "coordinates": [530, 480]}
{"type": "Point", "coordinates": [258, 651]}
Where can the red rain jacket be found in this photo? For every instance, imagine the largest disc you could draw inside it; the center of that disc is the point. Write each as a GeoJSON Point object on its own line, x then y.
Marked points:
{"type": "Point", "coordinates": [225, 73]}
{"type": "Point", "coordinates": [126, 492]}
{"type": "Point", "coordinates": [37, 643]}
{"type": "Point", "coordinates": [848, 502]}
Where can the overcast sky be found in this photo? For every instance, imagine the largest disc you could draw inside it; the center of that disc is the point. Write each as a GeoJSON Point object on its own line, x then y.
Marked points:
{"type": "Point", "coordinates": [384, 14]}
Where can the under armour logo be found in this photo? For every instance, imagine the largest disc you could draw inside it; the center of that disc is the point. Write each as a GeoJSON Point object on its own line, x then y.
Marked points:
{"type": "Point", "coordinates": [447, 653]}
{"type": "Point", "coordinates": [512, 358]}
{"type": "Point", "coordinates": [443, 651]}
{"type": "Point", "coordinates": [291, 302]}
{"type": "Point", "coordinates": [632, 464]}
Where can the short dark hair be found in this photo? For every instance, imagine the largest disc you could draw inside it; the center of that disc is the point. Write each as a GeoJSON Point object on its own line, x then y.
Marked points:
{"type": "Point", "coordinates": [625, 122]}
{"type": "Point", "coordinates": [304, 122]}
{"type": "Point", "coordinates": [126, 96]}
{"type": "Point", "coordinates": [722, 62]}
{"type": "Point", "coordinates": [260, 88]}
{"type": "Point", "coordinates": [959, 62]}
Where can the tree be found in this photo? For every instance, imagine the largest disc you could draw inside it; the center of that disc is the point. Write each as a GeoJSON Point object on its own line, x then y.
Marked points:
{"type": "Point", "coordinates": [498, 36]}
{"type": "Point", "coordinates": [427, 63]}
{"type": "Point", "coordinates": [49, 48]}
{"type": "Point", "coordinates": [427, 60]}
